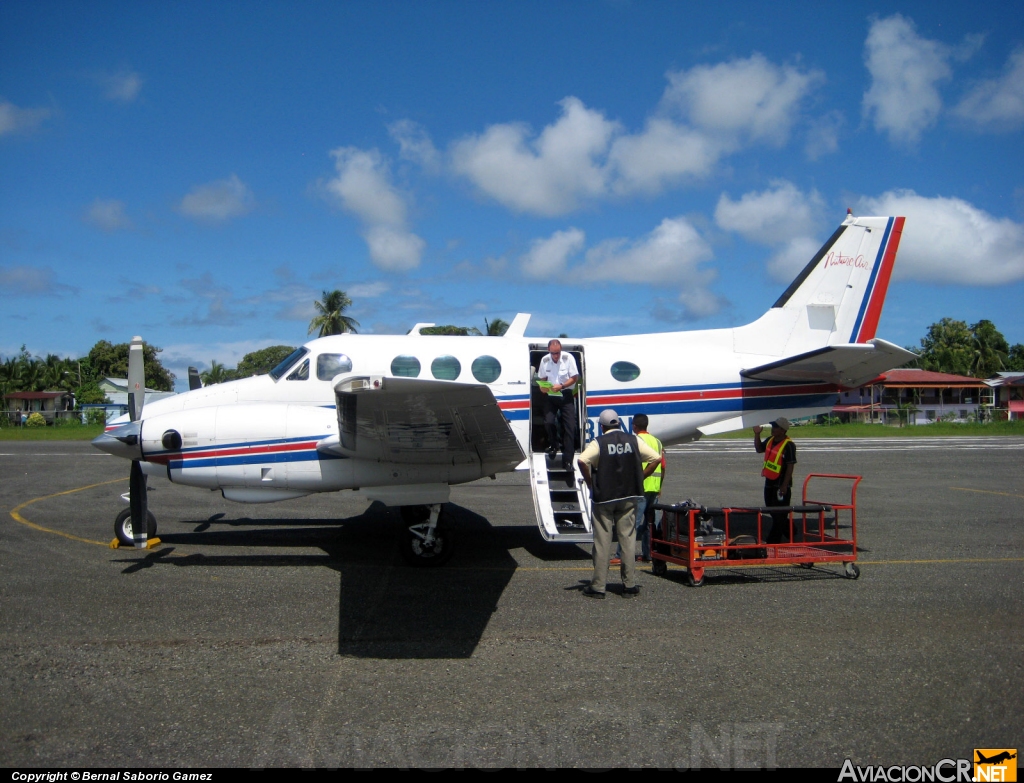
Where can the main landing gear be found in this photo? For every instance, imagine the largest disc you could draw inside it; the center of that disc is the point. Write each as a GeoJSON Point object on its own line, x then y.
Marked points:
{"type": "Point", "coordinates": [427, 538]}
{"type": "Point", "coordinates": [123, 527]}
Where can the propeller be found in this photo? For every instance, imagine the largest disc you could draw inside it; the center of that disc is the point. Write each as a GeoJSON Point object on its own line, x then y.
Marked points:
{"type": "Point", "coordinates": [137, 479]}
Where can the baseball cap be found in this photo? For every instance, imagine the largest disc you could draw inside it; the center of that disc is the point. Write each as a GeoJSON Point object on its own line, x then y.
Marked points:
{"type": "Point", "coordinates": [609, 418]}
{"type": "Point", "coordinates": [782, 423]}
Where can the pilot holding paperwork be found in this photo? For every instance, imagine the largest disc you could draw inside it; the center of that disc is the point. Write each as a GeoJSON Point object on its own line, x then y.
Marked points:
{"type": "Point", "coordinates": [558, 374]}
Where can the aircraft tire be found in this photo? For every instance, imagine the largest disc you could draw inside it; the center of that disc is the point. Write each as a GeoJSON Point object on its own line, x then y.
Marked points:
{"type": "Point", "coordinates": [123, 527]}
{"type": "Point", "coordinates": [413, 550]}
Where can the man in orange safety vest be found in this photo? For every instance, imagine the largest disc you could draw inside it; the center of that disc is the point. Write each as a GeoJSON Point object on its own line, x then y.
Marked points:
{"type": "Point", "coordinates": [779, 459]}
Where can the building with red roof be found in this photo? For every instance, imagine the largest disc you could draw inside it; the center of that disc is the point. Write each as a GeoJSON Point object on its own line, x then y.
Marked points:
{"type": "Point", "coordinates": [917, 397]}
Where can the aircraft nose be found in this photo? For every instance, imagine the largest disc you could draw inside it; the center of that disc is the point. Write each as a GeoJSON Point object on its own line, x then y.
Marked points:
{"type": "Point", "coordinates": [124, 441]}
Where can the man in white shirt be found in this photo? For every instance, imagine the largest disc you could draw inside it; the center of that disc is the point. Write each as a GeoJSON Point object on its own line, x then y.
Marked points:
{"type": "Point", "coordinates": [560, 370]}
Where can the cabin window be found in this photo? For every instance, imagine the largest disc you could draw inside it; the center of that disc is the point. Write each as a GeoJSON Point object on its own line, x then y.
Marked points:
{"type": "Point", "coordinates": [486, 369]}
{"type": "Point", "coordinates": [301, 373]}
{"type": "Point", "coordinates": [445, 368]}
{"type": "Point", "coordinates": [405, 367]}
{"type": "Point", "coordinates": [330, 364]}
{"type": "Point", "coordinates": [625, 371]}
{"type": "Point", "coordinates": [288, 363]}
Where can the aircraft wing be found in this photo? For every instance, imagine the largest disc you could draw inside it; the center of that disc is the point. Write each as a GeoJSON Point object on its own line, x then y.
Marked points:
{"type": "Point", "coordinates": [846, 365]}
{"type": "Point", "coordinates": [415, 421]}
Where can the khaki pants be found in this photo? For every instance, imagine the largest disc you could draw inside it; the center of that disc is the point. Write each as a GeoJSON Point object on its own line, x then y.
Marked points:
{"type": "Point", "coordinates": [620, 515]}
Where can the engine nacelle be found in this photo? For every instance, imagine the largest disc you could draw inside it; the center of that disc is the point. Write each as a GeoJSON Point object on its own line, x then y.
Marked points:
{"type": "Point", "coordinates": [269, 446]}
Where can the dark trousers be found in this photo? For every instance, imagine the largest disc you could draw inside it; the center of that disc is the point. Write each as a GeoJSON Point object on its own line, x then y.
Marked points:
{"type": "Point", "coordinates": [780, 520]}
{"type": "Point", "coordinates": [564, 407]}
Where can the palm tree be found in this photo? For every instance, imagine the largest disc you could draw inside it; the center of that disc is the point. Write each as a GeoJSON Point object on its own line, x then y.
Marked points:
{"type": "Point", "coordinates": [495, 328]}
{"type": "Point", "coordinates": [330, 317]}
{"type": "Point", "coordinates": [217, 373]}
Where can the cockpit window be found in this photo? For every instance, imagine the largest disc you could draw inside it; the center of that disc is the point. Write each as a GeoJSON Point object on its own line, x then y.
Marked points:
{"type": "Point", "coordinates": [288, 363]}
{"type": "Point", "coordinates": [301, 373]}
{"type": "Point", "coordinates": [330, 364]}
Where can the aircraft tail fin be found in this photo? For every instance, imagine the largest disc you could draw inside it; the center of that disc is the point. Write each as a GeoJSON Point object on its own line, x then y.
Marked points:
{"type": "Point", "coordinates": [837, 298]}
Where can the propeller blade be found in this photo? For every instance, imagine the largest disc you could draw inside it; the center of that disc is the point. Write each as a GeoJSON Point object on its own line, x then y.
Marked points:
{"type": "Point", "coordinates": [137, 504]}
{"type": "Point", "coordinates": [194, 381]}
{"type": "Point", "coordinates": [136, 379]}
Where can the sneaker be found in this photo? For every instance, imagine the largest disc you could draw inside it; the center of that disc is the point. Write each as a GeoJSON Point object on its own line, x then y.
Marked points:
{"type": "Point", "coordinates": [615, 561]}
{"type": "Point", "coordinates": [590, 592]}
{"type": "Point", "coordinates": [631, 592]}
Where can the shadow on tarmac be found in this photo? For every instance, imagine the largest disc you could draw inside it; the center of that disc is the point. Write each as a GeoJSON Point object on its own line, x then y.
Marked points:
{"type": "Point", "coordinates": [386, 608]}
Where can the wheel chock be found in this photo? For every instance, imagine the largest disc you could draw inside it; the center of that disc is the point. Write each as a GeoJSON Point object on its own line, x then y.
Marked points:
{"type": "Point", "coordinates": [150, 543]}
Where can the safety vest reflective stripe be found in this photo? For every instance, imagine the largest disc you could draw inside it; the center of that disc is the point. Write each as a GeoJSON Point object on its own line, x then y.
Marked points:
{"type": "Point", "coordinates": [653, 482]}
{"type": "Point", "coordinates": [773, 458]}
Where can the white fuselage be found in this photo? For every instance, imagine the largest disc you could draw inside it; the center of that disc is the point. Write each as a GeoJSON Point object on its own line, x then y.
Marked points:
{"type": "Point", "coordinates": [256, 438]}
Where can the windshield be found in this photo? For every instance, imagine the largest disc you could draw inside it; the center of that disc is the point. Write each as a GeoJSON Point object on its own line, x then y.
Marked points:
{"type": "Point", "coordinates": [286, 365]}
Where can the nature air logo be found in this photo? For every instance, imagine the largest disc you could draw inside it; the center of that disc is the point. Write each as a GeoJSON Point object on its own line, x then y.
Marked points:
{"type": "Point", "coordinates": [995, 764]}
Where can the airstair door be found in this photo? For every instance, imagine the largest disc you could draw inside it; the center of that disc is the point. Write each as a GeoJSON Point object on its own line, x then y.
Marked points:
{"type": "Point", "coordinates": [561, 499]}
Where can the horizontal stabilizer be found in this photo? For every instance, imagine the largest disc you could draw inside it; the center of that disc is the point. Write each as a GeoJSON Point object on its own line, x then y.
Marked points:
{"type": "Point", "coordinates": [417, 421]}
{"type": "Point", "coordinates": [846, 365]}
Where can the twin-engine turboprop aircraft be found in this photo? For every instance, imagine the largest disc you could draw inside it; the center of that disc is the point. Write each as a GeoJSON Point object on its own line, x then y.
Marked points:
{"type": "Point", "coordinates": [402, 418]}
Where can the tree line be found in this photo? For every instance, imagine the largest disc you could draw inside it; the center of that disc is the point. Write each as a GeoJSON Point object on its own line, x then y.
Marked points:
{"type": "Point", "coordinates": [979, 350]}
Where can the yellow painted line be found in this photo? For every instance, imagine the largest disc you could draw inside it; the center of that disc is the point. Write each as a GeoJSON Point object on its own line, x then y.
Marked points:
{"type": "Point", "coordinates": [988, 492]}
{"type": "Point", "coordinates": [19, 518]}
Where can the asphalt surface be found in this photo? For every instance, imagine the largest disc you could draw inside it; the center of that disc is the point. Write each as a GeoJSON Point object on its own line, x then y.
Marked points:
{"type": "Point", "coordinates": [291, 633]}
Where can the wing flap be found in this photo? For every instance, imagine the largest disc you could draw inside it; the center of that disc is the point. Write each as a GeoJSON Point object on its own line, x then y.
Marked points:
{"type": "Point", "coordinates": [414, 421]}
{"type": "Point", "coordinates": [846, 365]}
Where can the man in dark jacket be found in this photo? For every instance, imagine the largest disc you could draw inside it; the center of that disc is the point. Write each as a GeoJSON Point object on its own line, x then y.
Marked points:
{"type": "Point", "coordinates": [612, 466]}
{"type": "Point", "coordinates": [779, 459]}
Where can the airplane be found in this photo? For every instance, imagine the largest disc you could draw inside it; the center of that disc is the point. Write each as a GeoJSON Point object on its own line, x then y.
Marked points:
{"type": "Point", "coordinates": [402, 418]}
{"type": "Point", "coordinates": [996, 759]}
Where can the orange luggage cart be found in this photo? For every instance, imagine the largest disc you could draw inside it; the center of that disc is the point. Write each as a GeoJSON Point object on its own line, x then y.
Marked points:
{"type": "Point", "coordinates": [820, 531]}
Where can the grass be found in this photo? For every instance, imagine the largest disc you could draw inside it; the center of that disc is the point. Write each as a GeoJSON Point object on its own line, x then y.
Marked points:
{"type": "Point", "coordinates": [936, 429]}
{"type": "Point", "coordinates": [63, 432]}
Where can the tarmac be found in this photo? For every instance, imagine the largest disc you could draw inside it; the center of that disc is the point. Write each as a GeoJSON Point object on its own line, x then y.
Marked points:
{"type": "Point", "coordinates": [291, 634]}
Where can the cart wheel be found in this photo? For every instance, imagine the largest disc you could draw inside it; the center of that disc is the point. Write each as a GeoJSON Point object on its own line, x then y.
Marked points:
{"type": "Point", "coordinates": [806, 565]}
{"type": "Point", "coordinates": [659, 567]}
{"type": "Point", "coordinates": [852, 571]}
{"type": "Point", "coordinates": [695, 581]}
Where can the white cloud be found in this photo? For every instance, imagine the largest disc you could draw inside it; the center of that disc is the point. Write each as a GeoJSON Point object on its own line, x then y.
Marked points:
{"type": "Point", "coordinates": [108, 215]}
{"type": "Point", "coordinates": [704, 114]}
{"type": "Point", "coordinates": [671, 253]}
{"type": "Point", "coordinates": [394, 249]}
{"type": "Point", "coordinates": [31, 281]}
{"type": "Point", "coordinates": [369, 290]}
{"type": "Point", "coordinates": [549, 176]}
{"type": "Point", "coordinates": [17, 120]}
{"type": "Point", "coordinates": [363, 187]}
{"type": "Point", "coordinates": [947, 240]}
{"type": "Point", "coordinates": [218, 201]}
{"type": "Point", "coordinates": [751, 98]}
{"type": "Point", "coordinates": [773, 216]}
{"type": "Point", "coordinates": [905, 69]}
{"type": "Point", "coordinates": [549, 257]}
{"type": "Point", "coordinates": [997, 104]}
{"type": "Point", "coordinates": [123, 87]}
{"type": "Point", "coordinates": [415, 144]}
{"type": "Point", "coordinates": [663, 154]}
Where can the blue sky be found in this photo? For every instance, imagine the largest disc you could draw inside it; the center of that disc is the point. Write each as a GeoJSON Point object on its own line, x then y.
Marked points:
{"type": "Point", "coordinates": [198, 173]}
